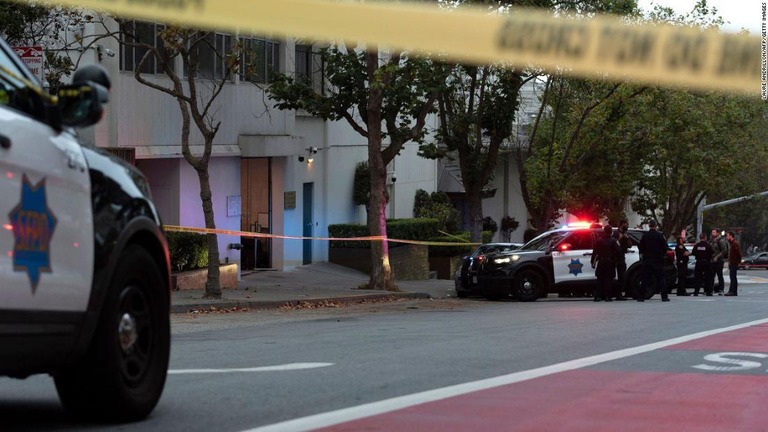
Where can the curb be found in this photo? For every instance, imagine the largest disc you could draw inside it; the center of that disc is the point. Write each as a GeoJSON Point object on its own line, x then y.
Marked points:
{"type": "Point", "coordinates": [224, 304]}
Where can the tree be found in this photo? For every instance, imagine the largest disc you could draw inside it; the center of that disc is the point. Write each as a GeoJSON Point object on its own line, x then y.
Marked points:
{"type": "Point", "coordinates": [477, 109]}
{"type": "Point", "coordinates": [383, 96]}
{"type": "Point", "coordinates": [195, 96]}
{"type": "Point", "coordinates": [58, 30]}
{"type": "Point", "coordinates": [567, 164]}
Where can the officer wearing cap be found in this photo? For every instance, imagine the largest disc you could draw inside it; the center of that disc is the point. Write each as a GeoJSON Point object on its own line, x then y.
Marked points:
{"type": "Point", "coordinates": [653, 248]}
{"type": "Point", "coordinates": [605, 255]}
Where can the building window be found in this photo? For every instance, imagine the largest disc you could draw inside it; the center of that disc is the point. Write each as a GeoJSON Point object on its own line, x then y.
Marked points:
{"type": "Point", "coordinates": [136, 37]}
{"type": "Point", "coordinates": [309, 67]}
{"type": "Point", "coordinates": [260, 60]}
{"type": "Point", "coordinates": [210, 55]}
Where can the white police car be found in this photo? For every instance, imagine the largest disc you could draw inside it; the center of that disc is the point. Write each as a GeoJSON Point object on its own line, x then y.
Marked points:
{"type": "Point", "coordinates": [84, 268]}
{"type": "Point", "coordinates": [559, 261]}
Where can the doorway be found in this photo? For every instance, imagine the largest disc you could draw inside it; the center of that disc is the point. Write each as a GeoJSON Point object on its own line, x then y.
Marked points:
{"type": "Point", "coordinates": [308, 222]}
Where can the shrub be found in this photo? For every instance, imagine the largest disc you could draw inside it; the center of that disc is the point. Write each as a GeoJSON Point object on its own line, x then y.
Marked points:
{"type": "Point", "coordinates": [189, 251]}
{"type": "Point", "coordinates": [437, 206]}
{"type": "Point", "coordinates": [403, 229]}
{"type": "Point", "coordinates": [490, 225]}
{"type": "Point", "coordinates": [449, 251]}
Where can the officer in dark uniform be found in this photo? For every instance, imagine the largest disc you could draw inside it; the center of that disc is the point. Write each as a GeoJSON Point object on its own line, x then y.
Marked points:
{"type": "Point", "coordinates": [681, 261]}
{"type": "Point", "coordinates": [605, 255]}
{"type": "Point", "coordinates": [621, 265]}
{"type": "Point", "coordinates": [703, 271]}
{"type": "Point", "coordinates": [653, 249]}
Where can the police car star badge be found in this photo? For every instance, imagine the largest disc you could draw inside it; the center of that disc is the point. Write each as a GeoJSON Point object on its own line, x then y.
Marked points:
{"type": "Point", "coordinates": [33, 225]}
{"type": "Point", "coordinates": [575, 267]}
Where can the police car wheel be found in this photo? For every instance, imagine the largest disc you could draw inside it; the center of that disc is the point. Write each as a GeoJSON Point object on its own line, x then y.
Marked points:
{"type": "Point", "coordinates": [124, 372]}
{"type": "Point", "coordinates": [635, 279]}
{"type": "Point", "coordinates": [528, 286]}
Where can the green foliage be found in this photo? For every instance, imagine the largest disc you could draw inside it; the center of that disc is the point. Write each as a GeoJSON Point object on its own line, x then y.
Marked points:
{"type": "Point", "coordinates": [361, 189]}
{"type": "Point", "coordinates": [189, 251]}
{"type": "Point", "coordinates": [437, 206]}
{"type": "Point", "coordinates": [490, 225]}
{"type": "Point", "coordinates": [420, 229]}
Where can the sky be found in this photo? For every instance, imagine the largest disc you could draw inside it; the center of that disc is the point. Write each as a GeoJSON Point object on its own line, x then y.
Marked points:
{"type": "Point", "coordinates": [740, 13]}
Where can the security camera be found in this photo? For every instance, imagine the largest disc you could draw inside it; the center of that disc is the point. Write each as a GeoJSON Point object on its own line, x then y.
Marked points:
{"type": "Point", "coordinates": [313, 150]}
{"type": "Point", "coordinates": [301, 158]}
{"type": "Point", "coordinates": [394, 177]}
{"type": "Point", "coordinates": [109, 52]}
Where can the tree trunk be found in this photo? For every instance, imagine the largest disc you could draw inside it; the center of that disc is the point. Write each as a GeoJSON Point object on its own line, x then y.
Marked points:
{"type": "Point", "coordinates": [212, 284]}
{"type": "Point", "coordinates": [475, 203]}
{"type": "Point", "coordinates": [381, 272]}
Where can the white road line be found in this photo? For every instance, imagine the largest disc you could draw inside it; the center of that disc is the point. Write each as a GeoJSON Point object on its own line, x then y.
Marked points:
{"type": "Point", "coordinates": [284, 367]}
{"type": "Point", "coordinates": [381, 407]}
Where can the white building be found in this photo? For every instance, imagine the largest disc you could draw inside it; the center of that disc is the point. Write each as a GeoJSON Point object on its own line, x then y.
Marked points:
{"type": "Point", "coordinates": [257, 178]}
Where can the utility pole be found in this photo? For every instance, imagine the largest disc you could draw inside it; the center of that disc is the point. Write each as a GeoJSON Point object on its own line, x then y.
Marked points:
{"type": "Point", "coordinates": [702, 206]}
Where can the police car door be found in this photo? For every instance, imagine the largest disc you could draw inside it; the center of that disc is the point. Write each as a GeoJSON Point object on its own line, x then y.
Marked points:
{"type": "Point", "coordinates": [571, 257]}
{"type": "Point", "coordinates": [47, 237]}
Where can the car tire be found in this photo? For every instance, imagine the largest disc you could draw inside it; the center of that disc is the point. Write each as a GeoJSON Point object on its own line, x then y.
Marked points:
{"type": "Point", "coordinates": [528, 286]}
{"type": "Point", "coordinates": [123, 373]}
{"type": "Point", "coordinates": [634, 284]}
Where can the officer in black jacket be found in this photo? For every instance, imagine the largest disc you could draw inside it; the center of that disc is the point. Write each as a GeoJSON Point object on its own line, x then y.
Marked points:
{"type": "Point", "coordinates": [605, 255]}
{"type": "Point", "coordinates": [653, 249]}
{"type": "Point", "coordinates": [703, 271]}
{"type": "Point", "coordinates": [621, 265]}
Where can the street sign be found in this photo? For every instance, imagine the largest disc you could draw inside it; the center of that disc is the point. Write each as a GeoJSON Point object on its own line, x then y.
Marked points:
{"type": "Point", "coordinates": [33, 57]}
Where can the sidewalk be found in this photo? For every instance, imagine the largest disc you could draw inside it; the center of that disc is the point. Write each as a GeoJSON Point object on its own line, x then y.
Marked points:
{"type": "Point", "coordinates": [313, 283]}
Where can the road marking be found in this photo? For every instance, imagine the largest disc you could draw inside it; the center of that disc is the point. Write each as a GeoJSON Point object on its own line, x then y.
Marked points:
{"type": "Point", "coordinates": [285, 367]}
{"type": "Point", "coordinates": [381, 407]}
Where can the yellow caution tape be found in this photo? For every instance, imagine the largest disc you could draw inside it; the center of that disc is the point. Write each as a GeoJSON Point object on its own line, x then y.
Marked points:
{"type": "Point", "coordinates": [276, 236]}
{"type": "Point", "coordinates": [600, 47]}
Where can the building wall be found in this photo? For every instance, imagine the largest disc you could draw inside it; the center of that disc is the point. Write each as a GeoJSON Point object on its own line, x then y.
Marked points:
{"type": "Point", "coordinates": [250, 126]}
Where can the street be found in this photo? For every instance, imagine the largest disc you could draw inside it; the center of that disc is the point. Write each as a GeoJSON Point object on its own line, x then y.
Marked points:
{"type": "Point", "coordinates": [453, 364]}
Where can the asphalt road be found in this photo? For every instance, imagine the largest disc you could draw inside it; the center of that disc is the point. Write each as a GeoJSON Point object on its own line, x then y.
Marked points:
{"type": "Point", "coordinates": [244, 371]}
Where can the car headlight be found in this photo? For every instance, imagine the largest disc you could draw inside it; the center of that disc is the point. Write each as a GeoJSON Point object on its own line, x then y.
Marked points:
{"type": "Point", "coordinates": [506, 260]}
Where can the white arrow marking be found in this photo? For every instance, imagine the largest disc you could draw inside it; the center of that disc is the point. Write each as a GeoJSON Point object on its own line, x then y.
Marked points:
{"type": "Point", "coordinates": [285, 367]}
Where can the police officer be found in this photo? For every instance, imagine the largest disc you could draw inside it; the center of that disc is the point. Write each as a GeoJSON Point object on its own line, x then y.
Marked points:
{"type": "Point", "coordinates": [653, 249]}
{"type": "Point", "coordinates": [605, 254]}
{"type": "Point", "coordinates": [621, 265]}
{"type": "Point", "coordinates": [681, 261]}
{"type": "Point", "coordinates": [703, 271]}
{"type": "Point", "coordinates": [720, 254]}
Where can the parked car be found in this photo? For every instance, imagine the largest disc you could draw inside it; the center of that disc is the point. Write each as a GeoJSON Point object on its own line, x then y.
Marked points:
{"type": "Point", "coordinates": [757, 260]}
{"type": "Point", "coordinates": [466, 275]}
{"type": "Point", "coordinates": [558, 261]}
{"type": "Point", "coordinates": [86, 276]}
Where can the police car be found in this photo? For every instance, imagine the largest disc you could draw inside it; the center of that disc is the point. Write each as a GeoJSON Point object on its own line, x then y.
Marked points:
{"type": "Point", "coordinates": [84, 269]}
{"type": "Point", "coordinates": [558, 261]}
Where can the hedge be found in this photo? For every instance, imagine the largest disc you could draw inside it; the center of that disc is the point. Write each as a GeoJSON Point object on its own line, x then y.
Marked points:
{"type": "Point", "coordinates": [189, 251]}
{"type": "Point", "coordinates": [421, 229]}
{"type": "Point", "coordinates": [449, 251]}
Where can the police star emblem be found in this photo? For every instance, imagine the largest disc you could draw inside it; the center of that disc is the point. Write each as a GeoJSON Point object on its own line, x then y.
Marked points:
{"type": "Point", "coordinates": [33, 225]}
{"type": "Point", "coordinates": [575, 267]}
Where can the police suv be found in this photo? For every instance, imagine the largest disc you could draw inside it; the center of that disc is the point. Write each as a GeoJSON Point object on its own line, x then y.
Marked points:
{"type": "Point", "coordinates": [84, 269]}
{"type": "Point", "coordinates": [558, 261]}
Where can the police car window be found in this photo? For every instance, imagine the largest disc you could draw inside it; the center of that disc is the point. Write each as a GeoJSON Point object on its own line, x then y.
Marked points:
{"type": "Point", "coordinates": [8, 82]}
{"type": "Point", "coordinates": [14, 91]}
{"type": "Point", "coordinates": [580, 240]}
{"type": "Point", "coordinates": [544, 242]}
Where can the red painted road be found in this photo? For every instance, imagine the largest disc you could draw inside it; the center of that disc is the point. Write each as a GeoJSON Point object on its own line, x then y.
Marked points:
{"type": "Point", "coordinates": [592, 399]}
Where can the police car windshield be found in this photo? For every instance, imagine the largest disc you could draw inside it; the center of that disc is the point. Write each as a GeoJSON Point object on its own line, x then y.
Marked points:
{"type": "Point", "coordinates": [545, 241]}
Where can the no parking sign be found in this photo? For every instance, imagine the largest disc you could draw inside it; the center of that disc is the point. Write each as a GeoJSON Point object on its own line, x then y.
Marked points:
{"type": "Point", "coordinates": [32, 56]}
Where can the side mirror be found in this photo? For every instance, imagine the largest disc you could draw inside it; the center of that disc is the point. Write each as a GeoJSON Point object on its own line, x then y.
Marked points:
{"type": "Point", "coordinates": [82, 103]}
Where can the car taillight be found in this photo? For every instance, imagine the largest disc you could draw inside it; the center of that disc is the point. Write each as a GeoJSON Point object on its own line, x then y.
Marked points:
{"type": "Point", "coordinates": [671, 256]}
